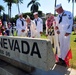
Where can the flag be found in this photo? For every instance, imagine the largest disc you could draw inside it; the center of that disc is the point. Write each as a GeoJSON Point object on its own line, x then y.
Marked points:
{"type": "Point", "coordinates": [56, 56]}
{"type": "Point", "coordinates": [68, 57]}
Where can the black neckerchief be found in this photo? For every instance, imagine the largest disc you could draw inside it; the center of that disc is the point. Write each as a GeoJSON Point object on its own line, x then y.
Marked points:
{"type": "Point", "coordinates": [36, 21]}
{"type": "Point", "coordinates": [60, 20]}
{"type": "Point", "coordinates": [22, 22]}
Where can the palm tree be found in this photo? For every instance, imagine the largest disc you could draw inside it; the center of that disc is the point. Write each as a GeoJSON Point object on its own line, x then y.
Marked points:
{"type": "Point", "coordinates": [73, 1]}
{"type": "Point", "coordinates": [19, 1]}
{"type": "Point", "coordinates": [1, 8]}
{"type": "Point", "coordinates": [9, 3]}
{"type": "Point", "coordinates": [34, 6]}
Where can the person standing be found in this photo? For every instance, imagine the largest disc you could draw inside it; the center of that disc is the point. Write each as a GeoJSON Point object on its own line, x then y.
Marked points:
{"type": "Point", "coordinates": [31, 28]}
{"type": "Point", "coordinates": [4, 20]}
{"type": "Point", "coordinates": [39, 23]}
{"type": "Point", "coordinates": [50, 28]}
{"type": "Point", "coordinates": [9, 29]}
{"type": "Point", "coordinates": [0, 27]}
{"type": "Point", "coordinates": [21, 26]}
{"type": "Point", "coordinates": [64, 22]}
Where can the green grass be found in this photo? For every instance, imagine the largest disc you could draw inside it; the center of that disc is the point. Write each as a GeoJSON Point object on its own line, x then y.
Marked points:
{"type": "Point", "coordinates": [73, 48]}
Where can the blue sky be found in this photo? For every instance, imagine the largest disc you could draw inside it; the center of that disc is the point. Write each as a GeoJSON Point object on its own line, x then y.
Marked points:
{"type": "Point", "coordinates": [46, 6]}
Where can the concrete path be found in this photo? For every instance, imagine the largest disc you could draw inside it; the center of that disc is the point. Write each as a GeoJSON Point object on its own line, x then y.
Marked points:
{"type": "Point", "coordinates": [7, 69]}
{"type": "Point", "coordinates": [58, 70]}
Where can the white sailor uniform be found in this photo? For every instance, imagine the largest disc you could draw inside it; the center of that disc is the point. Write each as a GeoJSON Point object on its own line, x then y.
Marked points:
{"type": "Point", "coordinates": [64, 22]}
{"type": "Point", "coordinates": [39, 25]}
{"type": "Point", "coordinates": [21, 25]}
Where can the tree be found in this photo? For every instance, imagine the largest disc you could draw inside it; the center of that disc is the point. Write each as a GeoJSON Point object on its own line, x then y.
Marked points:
{"type": "Point", "coordinates": [9, 3]}
{"type": "Point", "coordinates": [19, 1]}
{"type": "Point", "coordinates": [34, 6]}
{"type": "Point", "coordinates": [1, 9]}
{"type": "Point", "coordinates": [73, 1]}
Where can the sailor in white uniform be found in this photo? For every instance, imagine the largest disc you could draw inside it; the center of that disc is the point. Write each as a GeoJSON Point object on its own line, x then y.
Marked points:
{"type": "Point", "coordinates": [39, 24]}
{"type": "Point", "coordinates": [21, 26]}
{"type": "Point", "coordinates": [64, 22]}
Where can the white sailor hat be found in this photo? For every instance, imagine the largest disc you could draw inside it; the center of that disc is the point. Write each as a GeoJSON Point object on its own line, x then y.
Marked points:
{"type": "Point", "coordinates": [19, 14]}
{"type": "Point", "coordinates": [58, 6]}
{"type": "Point", "coordinates": [35, 13]}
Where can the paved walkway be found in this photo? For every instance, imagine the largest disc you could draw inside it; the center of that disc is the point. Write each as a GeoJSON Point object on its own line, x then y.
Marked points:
{"type": "Point", "coordinates": [57, 70]}
{"type": "Point", "coordinates": [7, 69]}
{"type": "Point", "coordinates": [72, 71]}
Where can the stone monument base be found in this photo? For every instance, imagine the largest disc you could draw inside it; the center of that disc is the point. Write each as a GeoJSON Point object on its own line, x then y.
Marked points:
{"type": "Point", "coordinates": [8, 69]}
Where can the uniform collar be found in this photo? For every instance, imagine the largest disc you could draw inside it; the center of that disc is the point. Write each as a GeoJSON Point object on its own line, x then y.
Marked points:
{"type": "Point", "coordinates": [62, 13]}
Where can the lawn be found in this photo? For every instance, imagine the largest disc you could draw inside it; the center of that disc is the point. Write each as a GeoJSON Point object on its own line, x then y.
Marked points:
{"type": "Point", "coordinates": [73, 48]}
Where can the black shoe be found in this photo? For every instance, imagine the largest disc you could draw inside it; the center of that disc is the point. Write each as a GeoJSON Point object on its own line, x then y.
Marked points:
{"type": "Point", "coordinates": [60, 59]}
{"type": "Point", "coordinates": [58, 63]}
{"type": "Point", "coordinates": [64, 64]}
{"type": "Point", "coordinates": [61, 62]}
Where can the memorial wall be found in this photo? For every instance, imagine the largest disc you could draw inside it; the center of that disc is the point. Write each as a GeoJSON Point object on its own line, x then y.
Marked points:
{"type": "Point", "coordinates": [31, 51]}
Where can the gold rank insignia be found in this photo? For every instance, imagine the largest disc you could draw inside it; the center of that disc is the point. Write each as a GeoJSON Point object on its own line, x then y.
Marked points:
{"type": "Point", "coordinates": [64, 15]}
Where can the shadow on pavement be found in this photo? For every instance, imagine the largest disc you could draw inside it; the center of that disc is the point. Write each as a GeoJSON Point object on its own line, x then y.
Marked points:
{"type": "Point", "coordinates": [57, 70]}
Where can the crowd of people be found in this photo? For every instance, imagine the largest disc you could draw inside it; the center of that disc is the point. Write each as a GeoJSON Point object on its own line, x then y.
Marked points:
{"type": "Point", "coordinates": [7, 29]}
{"type": "Point", "coordinates": [29, 28]}
{"type": "Point", "coordinates": [58, 29]}
{"type": "Point", "coordinates": [24, 27]}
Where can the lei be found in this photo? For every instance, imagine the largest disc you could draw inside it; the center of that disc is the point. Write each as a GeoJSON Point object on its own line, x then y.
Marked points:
{"type": "Point", "coordinates": [50, 21]}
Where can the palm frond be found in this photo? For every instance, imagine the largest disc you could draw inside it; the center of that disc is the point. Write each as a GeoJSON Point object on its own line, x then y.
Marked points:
{"type": "Point", "coordinates": [31, 9]}
{"type": "Point", "coordinates": [72, 1]}
{"type": "Point", "coordinates": [20, 1]}
{"type": "Point", "coordinates": [1, 7]}
{"type": "Point", "coordinates": [10, 1]}
{"type": "Point", "coordinates": [69, 0]}
{"type": "Point", "coordinates": [38, 3]}
{"type": "Point", "coordinates": [35, 5]}
{"type": "Point", "coordinates": [29, 3]}
{"type": "Point", "coordinates": [36, 0]}
{"type": "Point", "coordinates": [34, 8]}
